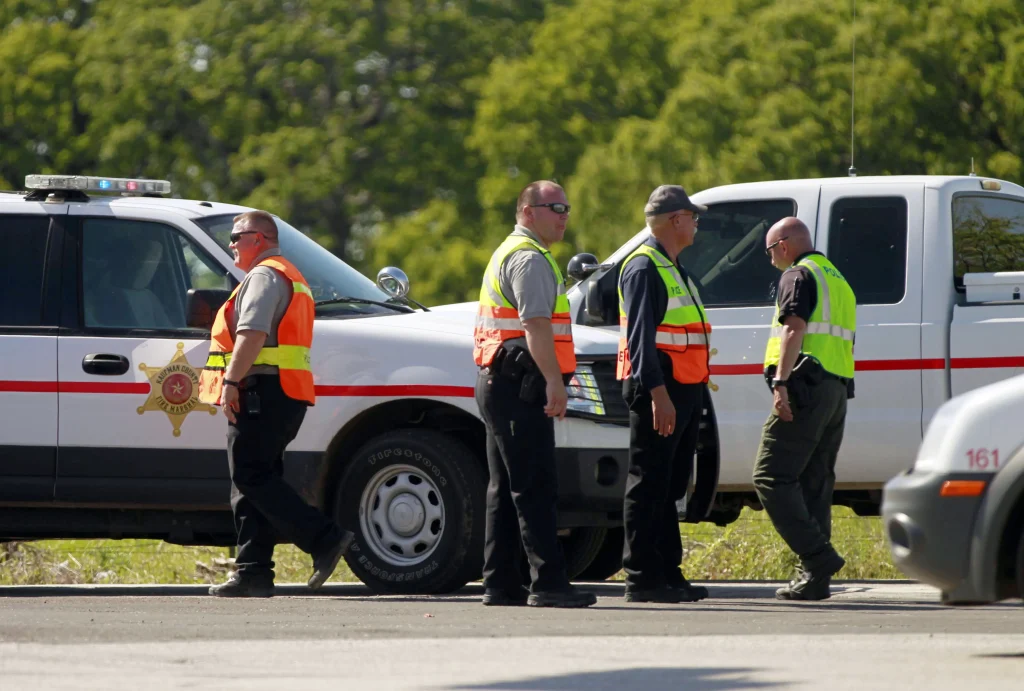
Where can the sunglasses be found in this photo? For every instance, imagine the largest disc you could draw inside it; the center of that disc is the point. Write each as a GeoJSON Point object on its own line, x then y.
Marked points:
{"type": "Point", "coordinates": [696, 216]}
{"type": "Point", "coordinates": [236, 235]}
{"type": "Point", "coordinates": [769, 248]}
{"type": "Point", "coordinates": [557, 207]}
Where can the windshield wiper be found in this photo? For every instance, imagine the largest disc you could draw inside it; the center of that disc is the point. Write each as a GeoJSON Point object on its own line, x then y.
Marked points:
{"type": "Point", "coordinates": [364, 301]}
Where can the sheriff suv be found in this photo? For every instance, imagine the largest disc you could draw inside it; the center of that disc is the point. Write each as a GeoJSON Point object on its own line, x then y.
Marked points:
{"type": "Point", "coordinates": [109, 290]}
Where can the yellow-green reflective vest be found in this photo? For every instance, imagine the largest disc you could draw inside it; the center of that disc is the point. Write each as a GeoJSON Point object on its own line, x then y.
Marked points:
{"type": "Point", "coordinates": [683, 333]}
{"type": "Point", "coordinates": [832, 326]}
{"type": "Point", "coordinates": [498, 321]}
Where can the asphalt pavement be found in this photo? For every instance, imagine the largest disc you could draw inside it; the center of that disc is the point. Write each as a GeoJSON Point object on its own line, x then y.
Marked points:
{"type": "Point", "coordinates": [870, 635]}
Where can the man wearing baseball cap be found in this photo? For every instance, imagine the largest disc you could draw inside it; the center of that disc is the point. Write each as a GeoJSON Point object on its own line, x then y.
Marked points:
{"type": "Point", "coordinates": [663, 362]}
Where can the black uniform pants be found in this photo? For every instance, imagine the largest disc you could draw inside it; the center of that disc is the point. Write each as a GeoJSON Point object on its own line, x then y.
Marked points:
{"type": "Point", "coordinates": [659, 472]}
{"type": "Point", "coordinates": [795, 471]}
{"type": "Point", "coordinates": [522, 490]}
{"type": "Point", "coordinates": [265, 507]}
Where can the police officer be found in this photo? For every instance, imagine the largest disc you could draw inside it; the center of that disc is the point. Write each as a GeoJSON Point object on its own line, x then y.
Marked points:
{"type": "Point", "coordinates": [258, 371]}
{"type": "Point", "coordinates": [523, 346]}
{"type": "Point", "coordinates": [663, 362]}
{"type": "Point", "coordinates": [809, 364]}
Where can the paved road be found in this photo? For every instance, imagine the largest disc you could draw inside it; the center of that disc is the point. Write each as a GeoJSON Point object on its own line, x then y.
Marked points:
{"type": "Point", "coordinates": [869, 636]}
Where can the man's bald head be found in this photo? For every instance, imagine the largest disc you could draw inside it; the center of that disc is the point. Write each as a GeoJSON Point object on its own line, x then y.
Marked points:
{"type": "Point", "coordinates": [259, 221]}
{"type": "Point", "coordinates": [787, 240]}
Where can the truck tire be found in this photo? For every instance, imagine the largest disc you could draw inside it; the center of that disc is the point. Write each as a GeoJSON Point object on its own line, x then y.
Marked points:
{"type": "Point", "coordinates": [415, 500]}
{"type": "Point", "coordinates": [1020, 566]}
{"type": "Point", "coordinates": [580, 547]}
{"type": "Point", "coordinates": [608, 560]}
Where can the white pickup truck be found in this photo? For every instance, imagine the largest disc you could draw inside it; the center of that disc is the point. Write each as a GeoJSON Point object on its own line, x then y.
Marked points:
{"type": "Point", "coordinates": [939, 312]}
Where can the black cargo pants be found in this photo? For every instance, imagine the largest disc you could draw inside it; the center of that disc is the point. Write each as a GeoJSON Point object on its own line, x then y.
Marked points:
{"type": "Point", "coordinates": [522, 490]}
{"type": "Point", "coordinates": [265, 507]}
{"type": "Point", "coordinates": [795, 471]}
{"type": "Point", "coordinates": [659, 472]}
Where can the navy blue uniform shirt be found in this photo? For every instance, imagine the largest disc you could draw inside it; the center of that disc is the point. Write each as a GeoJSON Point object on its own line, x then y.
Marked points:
{"type": "Point", "coordinates": [645, 300]}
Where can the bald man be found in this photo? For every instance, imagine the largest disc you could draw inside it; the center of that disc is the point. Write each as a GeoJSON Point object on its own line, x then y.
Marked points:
{"type": "Point", "coordinates": [809, 364]}
{"type": "Point", "coordinates": [523, 347]}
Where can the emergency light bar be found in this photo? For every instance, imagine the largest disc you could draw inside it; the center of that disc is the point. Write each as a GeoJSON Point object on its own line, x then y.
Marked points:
{"type": "Point", "coordinates": [88, 183]}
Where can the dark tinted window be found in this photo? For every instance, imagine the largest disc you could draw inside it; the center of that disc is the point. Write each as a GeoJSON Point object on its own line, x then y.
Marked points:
{"type": "Point", "coordinates": [727, 256]}
{"type": "Point", "coordinates": [867, 241]}
{"type": "Point", "coordinates": [136, 274]}
{"type": "Point", "coordinates": [21, 269]}
{"type": "Point", "coordinates": [988, 236]}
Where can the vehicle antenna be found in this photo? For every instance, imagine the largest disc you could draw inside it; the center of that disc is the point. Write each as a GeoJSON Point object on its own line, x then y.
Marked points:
{"type": "Point", "coordinates": [853, 84]}
{"type": "Point", "coordinates": [973, 174]}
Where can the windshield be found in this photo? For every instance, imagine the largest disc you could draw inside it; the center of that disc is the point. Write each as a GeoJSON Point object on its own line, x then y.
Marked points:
{"type": "Point", "coordinates": [329, 277]}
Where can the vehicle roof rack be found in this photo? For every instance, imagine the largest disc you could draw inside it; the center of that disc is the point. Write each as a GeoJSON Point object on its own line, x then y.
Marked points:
{"type": "Point", "coordinates": [76, 188]}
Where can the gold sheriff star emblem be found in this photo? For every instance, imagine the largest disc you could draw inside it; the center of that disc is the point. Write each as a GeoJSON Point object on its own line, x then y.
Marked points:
{"type": "Point", "coordinates": [174, 389]}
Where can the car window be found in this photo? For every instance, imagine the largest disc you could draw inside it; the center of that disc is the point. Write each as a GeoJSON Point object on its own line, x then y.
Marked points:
{"type": "Point", "coordinates": [988, 235]}
{"type": "Point", "coordinates": [136, 274]}
{"type": "Point", "coordinates": [21, 269]}
{"type": "Point", "coordinates": [727, 256]}
{"type": "Point", "coordinates": [329, 277]}
{"type": "Point", "coordinates": [867, 242]}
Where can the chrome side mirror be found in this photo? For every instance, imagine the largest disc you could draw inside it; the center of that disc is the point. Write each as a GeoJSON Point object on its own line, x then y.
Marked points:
{"type": "Point", "coordinates": [582, 265]}
{"type": "Point", "coordinates": [393, 281]}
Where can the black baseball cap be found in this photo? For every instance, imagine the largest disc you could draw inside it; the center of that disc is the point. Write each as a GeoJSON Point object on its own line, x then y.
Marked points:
{"type": "Point", "coordinates": [668, 198]}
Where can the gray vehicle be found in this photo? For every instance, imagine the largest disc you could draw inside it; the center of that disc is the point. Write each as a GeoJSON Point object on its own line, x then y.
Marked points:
{"type": "Point", "coordinates": [955, 520]}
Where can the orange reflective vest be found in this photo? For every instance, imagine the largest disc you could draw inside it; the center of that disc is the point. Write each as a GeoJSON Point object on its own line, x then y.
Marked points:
{"type": "Point", "coordinates": [290, 355]}
{"type": "Point", "coordinates": [498, 321]}
{"type": "Point", "coordinates": [683, 334]}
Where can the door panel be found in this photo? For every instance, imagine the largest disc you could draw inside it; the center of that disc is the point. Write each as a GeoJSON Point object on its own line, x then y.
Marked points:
{"type": "Point", "coordinates": [140, 435]}
{"type": "Point", "coordinates": [28, 352]}
{"type": "Point", "coordinates": [872, 233]}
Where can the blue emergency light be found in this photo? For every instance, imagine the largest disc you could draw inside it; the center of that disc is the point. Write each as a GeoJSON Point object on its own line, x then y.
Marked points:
{"type": "Point", "coordinates": [88, 183]}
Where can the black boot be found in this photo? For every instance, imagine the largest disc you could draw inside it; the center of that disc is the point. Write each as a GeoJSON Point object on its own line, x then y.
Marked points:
{"type": "Point", "coordinates": [692, 593]}
{"type": "Point", "coordinates": [569, 597]}
{"type": "Point", "coordinates": [325, 563]}
{"type": "Point", "coordinates": [240, 586]}
{"type": "Point", "coordinates": [812, 584]}
{"type": "Point", "coordinates": [496, 597]}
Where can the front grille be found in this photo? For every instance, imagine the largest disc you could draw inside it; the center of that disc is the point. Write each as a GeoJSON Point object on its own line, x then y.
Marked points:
{"type": "Point", "coordinates": [596, 389]}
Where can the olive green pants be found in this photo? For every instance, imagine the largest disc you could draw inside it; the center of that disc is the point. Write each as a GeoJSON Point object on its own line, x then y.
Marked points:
{"type": "Point", "coordinates": [795, 471]}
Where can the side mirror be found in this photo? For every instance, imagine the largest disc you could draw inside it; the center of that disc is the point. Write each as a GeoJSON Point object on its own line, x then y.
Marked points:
{"type": "Point", "coordinates": [201, 306]}
{"type": "Point", "coordinates": [582, 265]}
{"type": "Point", "coordinates": [593, 303]}
{"type": "Point", "coordinates": [393, 281]}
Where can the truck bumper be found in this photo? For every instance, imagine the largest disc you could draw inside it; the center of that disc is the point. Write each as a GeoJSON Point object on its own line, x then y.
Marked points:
{"type": "Point", "coordinates": [930, 535]}
{"type": "Point", "coordinates": [591, 483]}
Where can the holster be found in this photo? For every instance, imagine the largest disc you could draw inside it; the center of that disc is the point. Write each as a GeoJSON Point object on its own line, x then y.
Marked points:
{"type": "Point", "coordinates": [517, 365]}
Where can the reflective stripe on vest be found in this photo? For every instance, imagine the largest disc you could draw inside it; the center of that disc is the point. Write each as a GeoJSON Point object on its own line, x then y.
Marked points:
{"type": "Point", "coordinates": [498, 321]}
{"type": "Point", "coordinates": [832, 328]}
{"type": "Point", "coordinates": [291, 355]}
{"type": "Point", "coordinates": [683, 334]}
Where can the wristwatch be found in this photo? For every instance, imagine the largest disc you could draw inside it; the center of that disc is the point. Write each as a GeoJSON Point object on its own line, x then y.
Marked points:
{"type": "Point", "coordinates": [776, 383]}
{"type": "Point", "coordinates": [228, 382]}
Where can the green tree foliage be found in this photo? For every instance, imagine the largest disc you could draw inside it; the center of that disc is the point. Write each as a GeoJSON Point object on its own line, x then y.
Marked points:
{"type": "Point", "coordinates": [400, 131]}
{"type": "Point", "coordinates": [764, 93]}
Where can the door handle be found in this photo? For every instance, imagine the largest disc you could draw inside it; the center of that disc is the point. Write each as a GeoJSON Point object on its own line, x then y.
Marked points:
{"type": "Point", "coordinates": [106, 364]}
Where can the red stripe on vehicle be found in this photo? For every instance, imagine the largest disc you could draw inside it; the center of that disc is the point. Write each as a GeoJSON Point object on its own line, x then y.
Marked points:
{"type": "Point", "coordinates": [736, 369]}
{"type": "Point", "coordinates": [892, 365]}
{"type": "Point", "coordinates": [103, 387]}
{"type": "Point", "coordinates": [985, 362]}
{"type": "Point", "coordinates": [29, 386]}
{"type": "Point", "coordinates": [396, 390]}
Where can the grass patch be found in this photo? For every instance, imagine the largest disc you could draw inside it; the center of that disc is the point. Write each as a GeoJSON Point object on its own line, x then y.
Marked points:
{"type": "Point", "coordinates": [748, 549]}
{"type": "Point", "coordinates": [137, 561]}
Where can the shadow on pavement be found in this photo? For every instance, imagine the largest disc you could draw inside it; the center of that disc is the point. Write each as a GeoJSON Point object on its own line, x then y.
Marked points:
{"type": "Point", "coordinates": [647, 678]}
